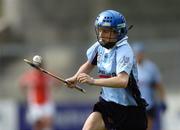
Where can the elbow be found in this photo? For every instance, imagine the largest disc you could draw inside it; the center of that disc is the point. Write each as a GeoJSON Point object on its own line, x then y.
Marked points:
{"type": "Point", "coordinates": [123, 79]}
{"type": "Point", "coordinates": [125, 84]}
{"type": "Point", "coordinates": [122, 84]}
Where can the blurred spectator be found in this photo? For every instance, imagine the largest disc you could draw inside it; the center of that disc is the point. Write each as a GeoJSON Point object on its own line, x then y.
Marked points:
{"type": "Point", "coordinates": [150, 85]}
{"type": "Point", "coordinates": [36, 86]}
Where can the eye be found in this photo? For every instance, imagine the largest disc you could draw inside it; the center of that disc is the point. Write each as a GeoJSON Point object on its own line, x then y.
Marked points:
{"type": "Point", "coordinates": [105, 31]}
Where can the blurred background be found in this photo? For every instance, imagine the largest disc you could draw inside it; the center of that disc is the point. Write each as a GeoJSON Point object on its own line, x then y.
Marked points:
{"type": "Point", "coordinates": [61, 31]}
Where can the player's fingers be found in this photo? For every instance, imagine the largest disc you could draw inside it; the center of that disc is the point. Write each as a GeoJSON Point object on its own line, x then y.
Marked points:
{"type": "Point", "coordinates": [82, 79]}
{"type": "Point", "coordinates": [67, 85]}
{"type": "Point", "coordinates": [70, 85]}
{"type": "Point", "coordinates": [81, 76]}
{"type": "Point", "coordinates": [71, 80]}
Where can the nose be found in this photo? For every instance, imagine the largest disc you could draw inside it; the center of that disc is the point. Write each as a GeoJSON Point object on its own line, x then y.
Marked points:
{"type": "Point", "coordinates": [102, 33]}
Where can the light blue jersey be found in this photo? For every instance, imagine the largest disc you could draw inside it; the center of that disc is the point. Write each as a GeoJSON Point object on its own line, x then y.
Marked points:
{"type": "Point", "coordinates": [111, 62]}
{"type": "Point", "coordinates": [148, 75]}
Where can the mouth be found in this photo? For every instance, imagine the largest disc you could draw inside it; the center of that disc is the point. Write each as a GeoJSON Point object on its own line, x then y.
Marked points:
{"type": "Point", "coordinates": [107, 40]}
{"type": "Point", "coordinates": [104, 40]}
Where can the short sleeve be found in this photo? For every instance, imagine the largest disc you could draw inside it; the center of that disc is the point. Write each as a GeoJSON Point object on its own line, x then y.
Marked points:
{"type": "Point", "coordinates": [92, 53]}
{"type": "Point", "coordinates": [124, 59]}
{"type": "Point", "coordinates": [155, 74]}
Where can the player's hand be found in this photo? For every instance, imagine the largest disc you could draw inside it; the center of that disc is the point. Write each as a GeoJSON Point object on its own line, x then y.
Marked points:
{"type": "Point", "coordinates": [71, 82]}
{"type": "Point", "coordinates": [85, 78]}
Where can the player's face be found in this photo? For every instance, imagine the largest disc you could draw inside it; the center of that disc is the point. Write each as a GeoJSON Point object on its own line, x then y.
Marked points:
{"type": "Point", "coordinates": [107, 35]}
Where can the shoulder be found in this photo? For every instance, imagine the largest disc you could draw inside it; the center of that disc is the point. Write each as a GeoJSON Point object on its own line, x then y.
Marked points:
{"type": "Point", "coordinates": [29, 73]}
{"type": "Point", "coordinates": [27, 77]}
{"type": "Point", "coordinates": [124, 46]}
{"type": "Point", "coordinates": [93, 49]}
{"type": "Point", "coordinates": [150, 64]}
{"type": "Point", "coordinates": [125, 49]}
{"type": "Point", "coordinates": [95, 45]}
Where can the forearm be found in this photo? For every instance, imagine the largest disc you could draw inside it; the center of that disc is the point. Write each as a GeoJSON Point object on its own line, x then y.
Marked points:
{"type": "Point", "coordinates": [85, 68]}
{"type": "Point", "coordinates": [161, 91]}
{"type": "Point", "coordinates": [162, 102]}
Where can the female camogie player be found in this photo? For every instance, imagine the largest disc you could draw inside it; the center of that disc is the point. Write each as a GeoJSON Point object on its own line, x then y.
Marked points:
{"type": "Point", "coordinates": [120, 106]}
